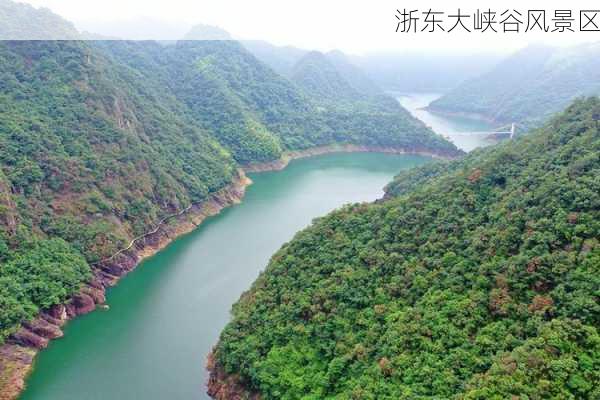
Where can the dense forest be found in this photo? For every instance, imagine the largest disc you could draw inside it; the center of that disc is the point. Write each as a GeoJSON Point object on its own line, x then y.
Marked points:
{"type": "Point", "coordinates": [529, 86]}
{"type": "Point", "coordinates": [471, 279]}
{"type": "Point", "coordinates": [74, 130]}
{"type": "Point", "coordinates": [258, 115]}
{"type": "Point", "coordinates": [345, 97]}
{"type": "Point", "coordinates": [99, 140]}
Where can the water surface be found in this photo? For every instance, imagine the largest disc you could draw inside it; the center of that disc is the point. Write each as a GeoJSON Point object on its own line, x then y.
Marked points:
{"type": "Point", "coordinates": [466, 133]}
{"type": "Point", "coordinates": [165, 316]}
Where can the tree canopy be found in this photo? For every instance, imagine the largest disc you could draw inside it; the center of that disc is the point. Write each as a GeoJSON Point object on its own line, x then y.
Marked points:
{"type": "Point", "coordinates": [529, 86]}
{"type": "Point", "coordinates": [100, 140]}
{"type": "Point", "coordinates": [472, 279]}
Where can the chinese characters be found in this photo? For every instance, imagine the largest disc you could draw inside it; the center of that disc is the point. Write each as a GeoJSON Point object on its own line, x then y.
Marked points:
{"type": "Point", "coordinates": [506, 21]}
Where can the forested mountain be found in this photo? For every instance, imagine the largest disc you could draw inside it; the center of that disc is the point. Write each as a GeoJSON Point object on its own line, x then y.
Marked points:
{"type": "Point", "coordinates": [91, 155]}
{"type": "Point", "coordinates": [281, 58]}
{"type": "Point", "coordinates": [352, 74]}
{"type": "Point", "coordinates": [472, 279]}
{"type": "Point", "coordinates": [333, 82]}
{"type": "Point", "coordinates": [347, 99]}
{"type": "Point", "coordinates": [225, 89]}
{"type": "Point", "coordinates": [20, 21]}
{"type": "Point", "coordinates": [258, 114]}
{"type": "Point", "coordinates": [207, 32]}
{"type": "Point", "coordinates": [100, 140]}
{"type": "Point", "coordinates": [318, 77]}
{"type": "Point", "coordinates": [286, 60]}
{"type": "Point", "coordinates": [529, 86]}
{"type": "Point", "coordinates": [409, 71]}
{"type": "Point", "coordinates": [418, 71]}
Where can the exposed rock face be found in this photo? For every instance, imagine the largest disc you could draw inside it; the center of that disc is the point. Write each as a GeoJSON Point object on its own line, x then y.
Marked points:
{"type": "Point", "coordinates": [25, 337]}
{"type": "Point", "coordinates": [57, 312]}
{"type": "Point", "coordinates": [222, 386]}
{"type": "Point", "coordinates": [97, 294]}
{"type": "Point", "coordinates": [81, 303]}
{"type": "Point", "coordinates": [16, 361]}
{"type": "Point", "coordinates": [44, 328]}
{"type": "Point", "coordinates": [16, 356]}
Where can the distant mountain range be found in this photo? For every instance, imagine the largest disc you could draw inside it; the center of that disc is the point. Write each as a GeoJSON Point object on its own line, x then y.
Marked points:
{"type": "Point", "coordinates": [281, 58]}
{"type": "Point", "coordinates": [529, 86]}
{"type": "Point", "coordinates": [393, 71]}
{"type": "Point", "coordinates": [99, 140]}
{"type": "Point", "coordinates": [425, 71]}
{"type": "Point", "coordinates": [20, 21]}
{"type": "Point", "coordinates": [407, 71]}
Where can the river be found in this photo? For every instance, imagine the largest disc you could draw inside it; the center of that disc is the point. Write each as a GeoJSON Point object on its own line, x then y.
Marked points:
{"type": "Point", "coordinates": [464, 132]}
{"type": "Point", "coordinates": [165, 316]}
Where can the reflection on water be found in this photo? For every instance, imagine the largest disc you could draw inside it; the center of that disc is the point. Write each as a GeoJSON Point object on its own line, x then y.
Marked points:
{"type": "Point", "coordinates": [465, 133]}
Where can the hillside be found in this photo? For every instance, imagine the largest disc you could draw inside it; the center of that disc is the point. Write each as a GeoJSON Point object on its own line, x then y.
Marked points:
{"type": "Point", "coordinates": [473, 279]}
{"type": "Point", "coordinates": [207, 32]}
{"type": "Point", "coordinates": [100, 140]}
{"type": "Point", "coordinates": [345, 98]}
{"type": "Point", "coordinates": [529, 86]}
{"type": "Point", "coordinates": [407, 71]}
{"type": "Point", "coordinates": [356, 77]}
{"type": "Point", "coordinates": [418, 71]}
{"type": "Point", "coordinates": [318, 77]}
{"type": "Point", "coordinates": [74, 129]}
{"type": "Point", "coordinates": [287, 60]}
{"type": "Point", "coordinates": [211, 78]}
{"type": "Point", "coordinates": [20, 21]}
{"type": "Point", "coordinates": [280, 58]}
{"type": "Point", "coordinates": [335, 84]}
{"type": "Point", "coordinates": [266, 114]}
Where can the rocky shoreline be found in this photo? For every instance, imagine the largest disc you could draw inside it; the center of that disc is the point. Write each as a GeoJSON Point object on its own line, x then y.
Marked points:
{"type": "Point", "coordinates": [341, 148]}
{"type": "Point", "coordinates": [18, 353]}
{"type": "Point", "coordinates": [224, 386]}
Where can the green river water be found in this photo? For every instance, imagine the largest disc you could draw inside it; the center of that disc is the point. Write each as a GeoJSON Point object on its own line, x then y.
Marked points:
{"type": "Point", "coordinates": [165, 316]}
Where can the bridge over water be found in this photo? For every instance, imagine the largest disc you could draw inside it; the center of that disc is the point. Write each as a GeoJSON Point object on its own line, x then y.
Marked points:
{"type": "Point", "coordinates": [500, 132]}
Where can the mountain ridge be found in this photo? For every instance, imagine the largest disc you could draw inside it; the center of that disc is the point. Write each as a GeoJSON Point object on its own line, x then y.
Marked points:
{"type": "Point", "coordinates": [529, 86]}
{"type": "Point", "coordinates": [489, 262]}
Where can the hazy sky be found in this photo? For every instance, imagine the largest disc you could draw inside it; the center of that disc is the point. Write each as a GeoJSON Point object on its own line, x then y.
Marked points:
{"type": "Point", "coordinates": [350, 25]}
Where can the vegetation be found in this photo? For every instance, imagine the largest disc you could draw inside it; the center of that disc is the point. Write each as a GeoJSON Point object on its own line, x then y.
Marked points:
{"type": "Point", "coordinates": [360, 111]}
{"type": "Point", "coordinates": [352, 74]}
{"type": "Point", "coordinates": [257, 114]}
{"type": "Point", "coordinates": [92, 154]}
{"type": "Point", "coordinates": [99, 140]}
{"type": "Point", "coordinates": [529, 86]}
{"type": "Point", "coordinates": [41, 274]}
{"type": "Point", "coordinates": [334, 83]}
{"type": "Point", "coordinates": [280, 59]}
{"type": "Point", "coordinates": [20, 21]}
{"type": "Point", "coordinates": [75, 128]}
{"type": "Point", "coordinates": [473, 279]}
